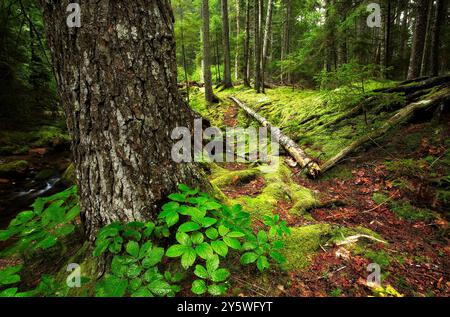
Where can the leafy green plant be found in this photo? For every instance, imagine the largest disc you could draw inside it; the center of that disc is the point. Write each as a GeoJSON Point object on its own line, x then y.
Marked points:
{"type": "Point", "coordinates": [211, 278]}
{"type": "Point", "coordinates": [51, 219]}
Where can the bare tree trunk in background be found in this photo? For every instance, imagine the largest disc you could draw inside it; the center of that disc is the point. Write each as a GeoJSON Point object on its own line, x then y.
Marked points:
{"type": "Point", "coordinates": [387, 38]}
{"type": "Point", "coordinates": [343, 10]}
{"type": "Point", "coordinates": [227, 83]}
{"type": "Point", "coordinates": [238, 33]}
{"type": "Point", "coordinates": [246, 66]}
{"type": "Point", "coordinates": [436, 29]}
{"type": "Point", "coordinates": [420, 27]}
{"type": "Point", "coordinates": [426, 49]}
{"type": "Point", "coordinates": [257, 47]}
{"type": "Point", "coordinates": [403, 53]}
{"type": "Point", "coordinates": [267, 32]}
{"type": "Point", "coordinates": [285, 47]}
{"type": "Point", "coordinates": [209, 94]}
{"type": "Point", "coordinates": [118, 82]}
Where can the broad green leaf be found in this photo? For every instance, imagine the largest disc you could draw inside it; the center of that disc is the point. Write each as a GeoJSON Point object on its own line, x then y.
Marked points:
{"type": "Point", "coordinates": [217, 289]}
{"type": "Point", "coordinates": [220, 248]}
{"type": "Point", "coordinates": [149, 228]}
{"type": "Point", "coordinates": [208, 222]}
{"type": "Point", "coordinates": [176, 250]}
{"type": "Point", "coordinates": [152, 274]}
{"type": "Point", "coordinates": [189, 226]}
{"type": "Point", "coordinates": [154, 257]}
{"type": "Point", "coordinates": [171, 206]}
{"type": "Point", "coordinates": [72, 213]}
{"type": "Point", "coordinates": [116, 245]}
{"type": "Point", "coordinates": [188, 258]}
{"type": "Point", "coordinates": [277, 256]}
{"type": "Point", "coordinates": [142, 292]}
{"type": "Point", "coordinates": [262, 263]}
{"type": "Point", "coordinates": [159, 288]}
{"type": "Point", "coordinates": [111, 286]}
{"type": "Point", "coordinates": [9, 292]}
{"type": "Point", "coordinates": [198, 287]}
{"type": "Point", "coordinates": [262, 236]}
{"type": "Point", "coordinates": [132, 248]}
{"type": "Point", "coordinates": [249, 257]}
{"type": "Point", "coordinates": [220, 275]}
{"type": "Point", "coordinates": [197, 237]}
{"type": "Point", "coordinates": [183, 238]}
{"type": "Point", "coordinates": [172, 218]}
{"type": "Point", "coordinates": [135, 284]}
{"type": "Point", "coordinates": [177, 197]}
{"type": "Point", "coordinates": [65, 230]}
{"type": "Point", "coordinates": [223, 230]}
{"type": "Point", "coordinates": [117, 267]}
{"type": "Point", "coordinates": [200, 271]}
{"type": "Point", "coordinates": [47, 243]}
{"type": "Point", "coordinates": [232, 243]}
{"type": "Point", "coordinates": [212, 205]}
{"type": "Point", "coordinates": [212, 263]}
{"type": "Point", "coordinates": [204, 250]}
{"type": "Point", "coordinates": [247, 246]}
{"type": "Point", "coordinates": [212, 233]}
{"type": "Point", "coordinates": [134, 270]}
{"type": "Point", "coordinates": [145, 249]}
{"type": "Point", "coordinates": [236, 234]}
{"type": "Point", "coordinates": [132, 234]}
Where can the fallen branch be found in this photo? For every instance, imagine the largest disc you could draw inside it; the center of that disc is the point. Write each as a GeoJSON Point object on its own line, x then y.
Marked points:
{"type": "Point", "coordinates": [355, 238]}
{"type": "Point", "coordinates": [401, 116]}
{"type": "Point", "coordinates": [313, 169]}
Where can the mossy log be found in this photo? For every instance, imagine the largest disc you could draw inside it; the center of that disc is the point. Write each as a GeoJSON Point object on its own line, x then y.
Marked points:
{"type": "Point", "coordinates": [409, 87]}
{"type": "Point", "coordinates": [401, 116]}
{"type": "Point", "coordinates": [313, 169]}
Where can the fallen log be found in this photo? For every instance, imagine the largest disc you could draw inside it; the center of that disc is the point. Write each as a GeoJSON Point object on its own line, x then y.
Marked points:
{"type": "Point", "coordinates": [313, 169]}
{"type": "Point", "coordinates": [420, 85]}
{"type": "Point", "coordinates": [401, 116]}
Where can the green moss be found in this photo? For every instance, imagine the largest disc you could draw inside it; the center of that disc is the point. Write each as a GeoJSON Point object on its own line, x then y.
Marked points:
{"type": "Point", "coordinates": [222, 177]}
{"type": "Point", "coordinates": [69, 176]}
{"type": "Point", "coordinates": [408, 212]}
{"type": "Point", "coordinates": [14, 167]}
{"type": "Point", "coordinates": [303, 243]}
{"type": "Point", "coordinates": [45, 174]}
{"type": "Point", "coordinates": [380, 198]}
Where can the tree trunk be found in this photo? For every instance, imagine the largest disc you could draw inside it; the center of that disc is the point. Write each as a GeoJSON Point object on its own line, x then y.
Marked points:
{"type": "Point", "coordinates": [420, 27]}
{"type": "Point", "coordinates": [286, 42]}
{"type": "Point", "coordinates": [238, 33]}
{"type": "Point", "coordinates": [226, 46]}
{"type": "Point", "coordinates": [257, 48]}
{"type": "Point", "coordinates": [424, 68]}
{"type": "Point", "coordinates": [117, 79]}
{"type": "Point", "coordinates": [436, 29]}
{"type": "Point", "coordinates": [267, 31]}
{"type": "Point", "coordinates": [207, 77]}
{"type": "Point", "coordinates": [245, 70]}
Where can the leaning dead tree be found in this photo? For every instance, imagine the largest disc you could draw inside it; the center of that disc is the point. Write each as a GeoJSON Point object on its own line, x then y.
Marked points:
{"type": "Point", "coordinates": [439, 98]}
{"type": "Point", "coordinates": [311, 166]}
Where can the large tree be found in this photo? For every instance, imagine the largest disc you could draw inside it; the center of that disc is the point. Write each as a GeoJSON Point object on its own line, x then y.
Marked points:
{"type": "Point", "coordinates": [116, 75]}
{"type": "Point", "coordinates": [207, 77]}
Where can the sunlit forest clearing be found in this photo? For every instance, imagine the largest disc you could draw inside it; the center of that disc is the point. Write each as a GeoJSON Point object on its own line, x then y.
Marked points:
{"type": "Point", "coordinates": [93, 203]}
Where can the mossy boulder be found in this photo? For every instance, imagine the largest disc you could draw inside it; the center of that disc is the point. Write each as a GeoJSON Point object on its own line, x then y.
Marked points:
{"type": "Point", "coordinates": [303, 243]}
{"type": "Point", "coordinates": [222, 177]}
{"type": "Point", "coordinates": [13, 168]}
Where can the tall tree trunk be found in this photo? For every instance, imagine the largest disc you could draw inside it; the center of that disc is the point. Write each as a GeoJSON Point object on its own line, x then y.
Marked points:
{"type": "Point", "coordinates": [420, 27]}
{"type": "Point", "coordinates": [209, 94]}
{"type": "Point", "coordinates": [426, 49]}
{"type": "Point", "coordinates": [267, 31]}
{"type": "Point", "coordinates": [227, 83]}
{"type": "Point", "coordinates": [245, 70]}
{"type": "Point", "coordinates": [117, 80]}
{"type": "Point", "coordinates": [439, 18]}
{"type": "Point", "coordinates": [257, 48]}
{"type": "Point", "coordinates": [387, 38]}
{"type": "Point", "coordinates": [286, 42]}
{"type": "Point", "coordinates": [238, 36]}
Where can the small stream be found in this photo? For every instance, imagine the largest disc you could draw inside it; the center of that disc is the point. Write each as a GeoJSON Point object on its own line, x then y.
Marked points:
{"type": "Point", "coordinates": [21, 192]}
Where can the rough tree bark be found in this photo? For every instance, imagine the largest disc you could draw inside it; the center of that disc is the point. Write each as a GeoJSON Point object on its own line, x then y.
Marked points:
{"type": "Point", "coordinates": [257, 47]}
{"type": "Point", "coordinates": [436, 28]}
{"type": "Point", "coordinates": [227, 83]}
{"type": "Point", "coordinates": [420, 27]}
{"type": "Point", "coordinates": [117, 79]}
{"type": "Point", "coordinates": [246, 65]}
{"type": "Point", "coordinates": [267, 31]}
{"type": "Point", "coordinates": [207, 77]}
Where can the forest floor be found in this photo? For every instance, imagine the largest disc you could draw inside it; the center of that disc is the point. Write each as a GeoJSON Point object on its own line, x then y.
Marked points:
{"type": "Point", "coordinates": [385, 191]}
{"type": "Point", "coordinates": [394, 191]}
